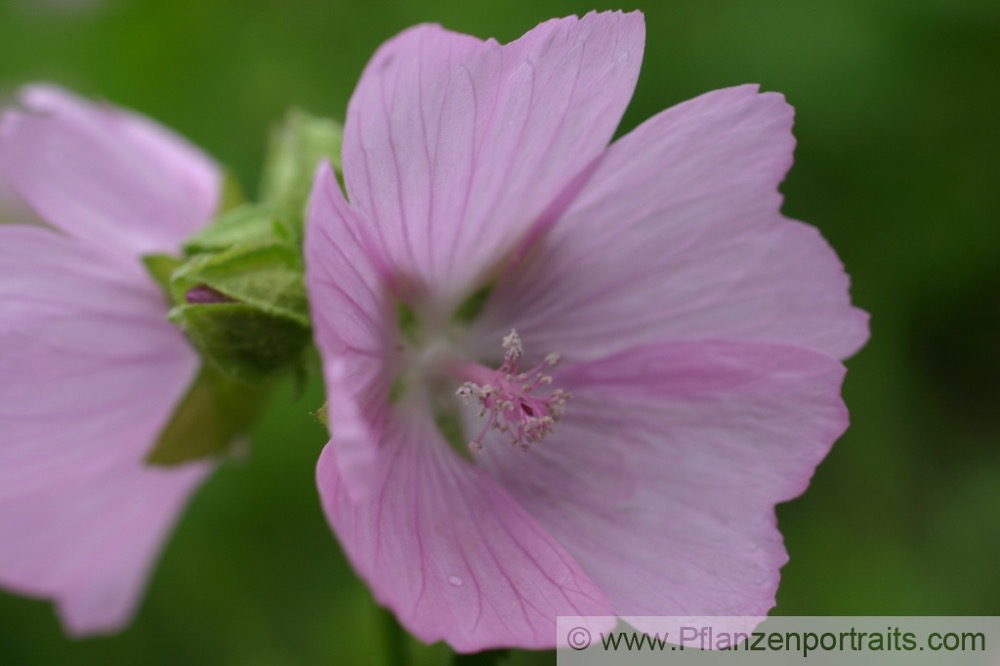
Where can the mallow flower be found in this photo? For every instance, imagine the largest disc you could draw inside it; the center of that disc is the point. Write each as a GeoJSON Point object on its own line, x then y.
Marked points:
{"type": "Point", "coordinates": [90, 369]}
{"type": "Point", "coordinates": [565, 377]}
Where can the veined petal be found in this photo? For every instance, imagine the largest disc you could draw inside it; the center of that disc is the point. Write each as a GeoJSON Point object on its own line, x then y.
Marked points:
{"type": "Point", "coordinates": [353, 325]}
{"type": "Point", "coordinates": [439, 542]}
{"type": "Point", "coordinates": [678, 235]}
{"type": "Point", "coordinates": [662, 476]}
{"type": "Point", "coordinates": [88, 539]}
{"type": "Point", "coordinates": [448, 550]}
{"type": "Point", "coordinates": [91, 372]}
{"type": "Point", "coordinates": [105, 175]}
{"type": "Point", "coordinates": [455, 147]}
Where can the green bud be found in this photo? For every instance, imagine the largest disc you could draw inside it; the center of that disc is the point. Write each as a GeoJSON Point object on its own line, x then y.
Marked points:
{"type": "Point", "coordinates": [243, 342]}
{"type": "Point", "coordinates": [267, 275]}
{"type": "Point", "coordinates": [244, 308]}
{"type": "Point", "coordinates": [239, 296]}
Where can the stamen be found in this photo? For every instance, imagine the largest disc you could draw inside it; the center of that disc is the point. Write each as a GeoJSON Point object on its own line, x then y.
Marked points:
{"type": "Point", "coordinates": [512, 348]}
{"type": "Point", "coordinates": [508, 402]}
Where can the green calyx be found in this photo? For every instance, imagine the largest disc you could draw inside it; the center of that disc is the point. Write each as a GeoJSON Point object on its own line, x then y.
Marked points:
{"type": "Point", "coordinates": [213, 412]}
{"type": "Point", "coordinates": [243, 307]}
{"type": "Point", "coordinates": [238, 294]}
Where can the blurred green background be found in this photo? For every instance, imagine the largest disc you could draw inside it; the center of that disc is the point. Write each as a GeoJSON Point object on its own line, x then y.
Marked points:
{"type": "Point", "coordinates": [897, 164]}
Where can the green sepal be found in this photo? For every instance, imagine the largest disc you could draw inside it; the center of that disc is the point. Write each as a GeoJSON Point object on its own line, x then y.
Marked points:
{"type": "Point", "coordinates": [213, 412]}
{"type": "Point", "coordinates": [267, 276]}
{"type": "Point", "coordinates": [264, 328]}
{"type": "Point", "coordinates": [231, 195]}
{"type": "Point", "coordinates": [323, 414]}
{"type": "Point", "coordinates": [297, 147]}
{"type": "Point", "coordinates": [242, 341]}
{"type": "Point", "coordinates": [161, 268]}
{"type": "Point", "coordinates": [245, 225]}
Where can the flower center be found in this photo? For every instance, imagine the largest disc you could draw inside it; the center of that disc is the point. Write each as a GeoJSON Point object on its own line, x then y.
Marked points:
{"type": "Point", "coordinates": [513, 401]}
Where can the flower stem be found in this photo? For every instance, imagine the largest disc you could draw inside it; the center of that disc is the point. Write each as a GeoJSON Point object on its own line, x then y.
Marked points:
{"type": "Point", "coordinates": [487, 658]}
{"type": "Point", "coordinates": [396, 652]}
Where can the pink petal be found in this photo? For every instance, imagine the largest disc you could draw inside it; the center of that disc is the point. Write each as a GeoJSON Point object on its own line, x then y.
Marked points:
{"type": "Point", "coordinates": [89, 539]}
{"type": "Point", "coordinates": [91, 371]}
{"type": "Point", "coordinates": [661, 478]}
{"type": "Point", "coordinates": [354, 328]}
{"type": "Point", "coordinates": [105, 175]}
{"type": "Point", "coordinates": [448, 550]}
{"type": "Point", "coordinates": [678, 235]}
{"type": "Point", "coordinates": [440, 543]}
{"type": "Point", "coordinates": [454, 147]}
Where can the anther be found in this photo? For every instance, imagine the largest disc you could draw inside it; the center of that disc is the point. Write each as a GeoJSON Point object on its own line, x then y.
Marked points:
{"type": "Point", "coordinates": [510, 403]}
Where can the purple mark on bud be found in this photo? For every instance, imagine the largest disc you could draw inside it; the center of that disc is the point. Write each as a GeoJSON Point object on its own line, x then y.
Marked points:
{"type": "Point", "coordinates": [205, 295]}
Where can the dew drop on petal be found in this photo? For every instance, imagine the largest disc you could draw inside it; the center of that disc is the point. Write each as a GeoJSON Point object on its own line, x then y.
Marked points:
{"type": "Point", "coordinates": [455, 581]}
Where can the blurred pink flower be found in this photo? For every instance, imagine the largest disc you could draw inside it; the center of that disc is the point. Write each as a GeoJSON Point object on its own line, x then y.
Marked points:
{"type": "Point", "coordinates": [90, 368]}
{"type": "Point", "coordinates": [699, 332]}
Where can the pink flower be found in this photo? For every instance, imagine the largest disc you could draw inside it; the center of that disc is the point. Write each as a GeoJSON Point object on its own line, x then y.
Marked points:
{"type": "Point", "coordinates": [698, 329]}
{"type": "Point", "coordinates": [91, 370]}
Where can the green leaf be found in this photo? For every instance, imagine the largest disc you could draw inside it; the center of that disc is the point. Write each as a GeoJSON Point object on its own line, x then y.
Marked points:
{"type": "Point", "coordinates": [241, 340]}
{"type": "Point", "coordinates": [212, 413]}
{"type": "Point", "coordinates": [296, 148]}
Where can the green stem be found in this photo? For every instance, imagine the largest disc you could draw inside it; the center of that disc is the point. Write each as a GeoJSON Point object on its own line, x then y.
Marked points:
{"type": "Point", "coordinates": [396, 652]}
{"type": "Point", "coordinates": [488, 658]}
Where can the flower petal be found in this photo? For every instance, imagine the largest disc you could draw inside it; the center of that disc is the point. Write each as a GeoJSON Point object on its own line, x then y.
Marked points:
{"type": "Point", "coordinates": [678, 235]}
{"type": "Point", "coordinates": [106, 175]}
{"type": "Point", "coordinates": [448, 550]}
{"type": "Point", "coordinates": [353, 325]}
{"type": "Point", "coordinates": [662, 476]}
{"type": "Point", "coordinates": [88, 539]}
{"type": "Point", "coordinates": [91, 371]}
{"type": "Point", "coordinates": [454, 147]}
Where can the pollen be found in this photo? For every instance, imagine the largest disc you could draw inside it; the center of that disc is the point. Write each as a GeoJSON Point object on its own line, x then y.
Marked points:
{"type": "Point", "coordinates": [515, 402]}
